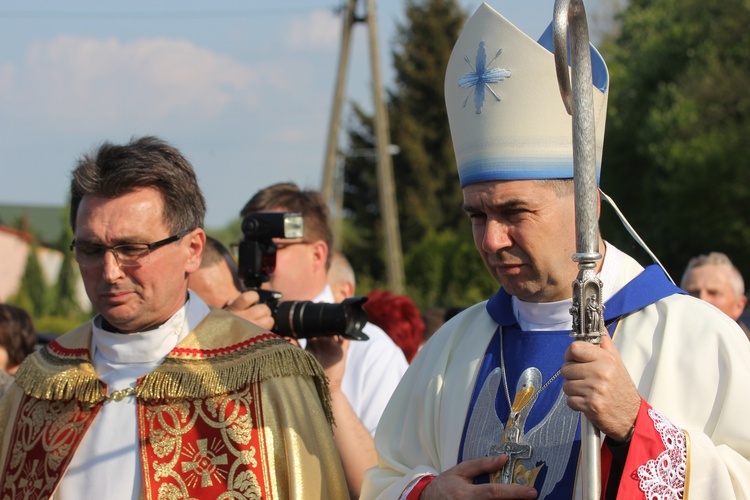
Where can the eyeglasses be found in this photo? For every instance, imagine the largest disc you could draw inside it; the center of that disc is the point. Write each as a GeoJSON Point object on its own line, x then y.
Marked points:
{"type": "Point", "coordinates": [126, 255]}
{"type": "Point", "coordinates": [235, 247]}
{"type": "Point", "coordinates": [283, 245]}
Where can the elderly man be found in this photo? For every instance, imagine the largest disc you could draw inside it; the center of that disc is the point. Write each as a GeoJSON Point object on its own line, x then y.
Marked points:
{"type": "Point", "coordinates": [714, 278]}
{"type": "Point", "coordinates": [490, 406]}
{"type": "Point", "coordinates": [158, 395]}
{"type": "Point", "coordinates": [341, 277]}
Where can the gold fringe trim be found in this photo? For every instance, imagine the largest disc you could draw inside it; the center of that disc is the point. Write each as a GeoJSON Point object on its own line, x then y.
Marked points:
{"type": "Point", "coordinates": [48, 377]}
{"type": "Point", "coordinates": [43, 376]}
{"type": "Point", "coordinates": [177, 378]}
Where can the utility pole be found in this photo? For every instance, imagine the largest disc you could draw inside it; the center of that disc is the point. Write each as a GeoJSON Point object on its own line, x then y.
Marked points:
{"type": "Point", "coordinates": [386, 188]}
{"type": "Point", "coordinates": [338, 96]}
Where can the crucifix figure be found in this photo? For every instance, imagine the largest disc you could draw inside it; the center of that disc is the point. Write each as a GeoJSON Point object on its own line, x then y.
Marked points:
{"type": "Point", "coordinates": [511, 444]}
{"type": "Point", "coordinates": [515, 452]}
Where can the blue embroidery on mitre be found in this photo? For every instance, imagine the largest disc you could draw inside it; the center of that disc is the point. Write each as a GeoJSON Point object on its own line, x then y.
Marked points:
{"type": "Point", "coordinates": [481, 77]}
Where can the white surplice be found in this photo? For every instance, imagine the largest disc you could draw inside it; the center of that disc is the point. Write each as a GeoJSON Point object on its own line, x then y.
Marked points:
{"type": "Point", "coordinates": [110, 446]}
{"type": "Point", "coordinates": [687, 359]}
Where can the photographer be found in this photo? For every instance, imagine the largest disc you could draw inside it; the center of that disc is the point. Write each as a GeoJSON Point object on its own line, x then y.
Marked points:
{"type": "Point", "coordinates": [218, 284]}
{"type": "Point", "coordinates": [363, 375]}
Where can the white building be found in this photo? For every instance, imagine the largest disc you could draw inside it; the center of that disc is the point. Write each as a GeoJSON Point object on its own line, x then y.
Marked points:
{"type": "Point", "coordinates": [15, 246]}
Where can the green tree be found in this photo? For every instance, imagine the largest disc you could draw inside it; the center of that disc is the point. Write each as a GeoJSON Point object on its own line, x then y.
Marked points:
{"type": "Point", "coordinates": [676, 150]}
{"type": "Point", "coordinates": [446, 271]}
{"type": "Point", "coordinates": [65, 290]}
{"type": "Point", "coordinates": [427, 190]}
{"type": "Point", "coordinates": [33, 293]}
{"type": "Point", "coordinates": [362, 232]}
{"type": "Point", "coordinates": [427, 184]}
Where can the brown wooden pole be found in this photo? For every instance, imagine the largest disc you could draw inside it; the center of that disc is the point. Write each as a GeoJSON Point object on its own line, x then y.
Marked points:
{"type": "Point", "coordinates": [330, 194]}
{"type": "Point", "coordinates": [386, 188]}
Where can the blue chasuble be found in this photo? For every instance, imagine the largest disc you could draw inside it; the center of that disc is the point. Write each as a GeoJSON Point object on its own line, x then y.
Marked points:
{"type": "Point", "coordinates": [547, 429]}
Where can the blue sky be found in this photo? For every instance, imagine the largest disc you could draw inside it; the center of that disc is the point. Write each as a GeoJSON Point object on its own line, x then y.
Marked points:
{"type": "Point", "coordinates": [243, 89]}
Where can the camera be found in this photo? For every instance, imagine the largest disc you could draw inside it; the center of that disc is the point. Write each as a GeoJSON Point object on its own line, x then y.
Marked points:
{"type": "Point", "coordinates": [293, 318]}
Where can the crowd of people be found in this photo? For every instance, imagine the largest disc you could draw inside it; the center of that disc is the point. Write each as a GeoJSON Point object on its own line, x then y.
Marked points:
{"type": "Point", "coordinates": [187, 384]}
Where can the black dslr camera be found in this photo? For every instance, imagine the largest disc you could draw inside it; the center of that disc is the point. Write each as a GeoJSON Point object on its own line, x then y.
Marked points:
{"type": "Point", "coordinates": [292, 318]}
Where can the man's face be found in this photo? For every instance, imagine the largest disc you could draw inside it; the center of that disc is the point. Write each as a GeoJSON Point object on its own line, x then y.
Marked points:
{"type": "Point", "coordinates": [525, 234]}
{"type": "Point", "coordinates": [298, 269]}
{"type": "Point", "coordinates": [214, 284]}
{"type": "Point", "coordinates": [712, 284]}
{"type": "Point", "coordinates": [132, 299]}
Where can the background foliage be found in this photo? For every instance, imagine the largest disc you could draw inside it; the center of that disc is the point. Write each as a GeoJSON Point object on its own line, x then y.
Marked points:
{"type": "Point", "coordinates": [442, 267]}
{"type": "Point", "coordinates": [675, 156]}
{"type": "Point", "coordinates": [53, 308]}
{"type": "Point", "coordinates": [676, 151]}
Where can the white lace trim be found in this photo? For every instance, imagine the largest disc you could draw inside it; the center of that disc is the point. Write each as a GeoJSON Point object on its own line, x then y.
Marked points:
{"type": "Point", "coordinates": [664, 477]}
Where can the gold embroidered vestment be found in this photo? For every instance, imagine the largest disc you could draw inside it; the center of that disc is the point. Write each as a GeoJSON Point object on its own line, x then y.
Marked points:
{"type": "Point", "coordinates": [232, 409]}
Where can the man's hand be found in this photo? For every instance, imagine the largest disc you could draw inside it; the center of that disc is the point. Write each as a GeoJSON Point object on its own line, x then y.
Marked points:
{"type": "Point", "coordinates": [457, 482]}
{"type": "Point", "coordinates": [331, 354]}
{"type": "Point", "coordinates": [246, 306]}
{"type": "Point", "coordinates": [598, 384]}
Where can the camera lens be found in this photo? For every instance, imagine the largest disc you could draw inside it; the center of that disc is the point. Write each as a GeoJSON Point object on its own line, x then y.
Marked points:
{"type": "Point", "coordinates": [304, 319]}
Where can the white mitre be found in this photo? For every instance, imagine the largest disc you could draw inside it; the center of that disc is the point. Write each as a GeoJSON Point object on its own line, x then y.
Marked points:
{"type": "Point", "coordinates": [507, 118]}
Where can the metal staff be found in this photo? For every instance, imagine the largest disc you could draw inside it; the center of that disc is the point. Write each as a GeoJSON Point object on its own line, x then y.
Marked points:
{"type": "Point", "coordinates": [587, 288]}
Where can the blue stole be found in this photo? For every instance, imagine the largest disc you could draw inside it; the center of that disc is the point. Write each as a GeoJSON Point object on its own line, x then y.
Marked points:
{"type": "Point", "coordinates": [550, 427]}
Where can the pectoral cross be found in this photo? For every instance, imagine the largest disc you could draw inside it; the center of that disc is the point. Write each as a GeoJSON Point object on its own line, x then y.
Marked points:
{"type": "Point", "coordinates": [510, 444]}
{"type": "Point", "coordinates": [513, 449]}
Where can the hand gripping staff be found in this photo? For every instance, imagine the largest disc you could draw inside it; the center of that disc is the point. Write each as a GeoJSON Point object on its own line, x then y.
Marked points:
{"type": "Point", "coordinates": [587, 306]}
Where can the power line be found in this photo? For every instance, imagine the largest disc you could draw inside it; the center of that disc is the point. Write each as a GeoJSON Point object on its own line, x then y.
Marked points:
{"type": "Point", "coordinates": [145, 15]}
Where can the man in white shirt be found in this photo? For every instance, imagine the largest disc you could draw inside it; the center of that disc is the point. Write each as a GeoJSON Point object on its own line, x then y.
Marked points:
{"type": "Point", "coordinates": [158, 395]}
{"type": "Point", "coordinates": [363, 374]}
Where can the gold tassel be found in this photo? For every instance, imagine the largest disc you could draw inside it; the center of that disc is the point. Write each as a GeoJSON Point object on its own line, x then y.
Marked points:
{"type": "Point", "coordinates": [44, 376]}
{"type": "Point", "coordinates": [179, 378]}
{"type": "Point", "coordinates": [48, 377]}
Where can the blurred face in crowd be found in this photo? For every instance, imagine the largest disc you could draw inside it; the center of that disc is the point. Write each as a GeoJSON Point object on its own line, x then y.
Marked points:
{"type": "Point", "coordinates": [4, 361]}
{"type": "Point", "coordinates": [713, 284]}
{"type": "Point", "coordinates": [525, 233]}
{"type": "Point", "coordinates": [214, 284]}
{"type": "Point", "coordinates": [135, 298]}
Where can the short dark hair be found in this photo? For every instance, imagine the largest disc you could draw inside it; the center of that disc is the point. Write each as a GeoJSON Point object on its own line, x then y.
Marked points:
{"type": "Point", "coordinates": [214, 252]}
{"type": "Point", "coordinates": [561, 187]}
{"type": "Point", "coordinates": [114, 170]}
{"type": "Point", "coordinates": [289, 197]}
{"type": "Point", "coordinates": [17, 333]}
